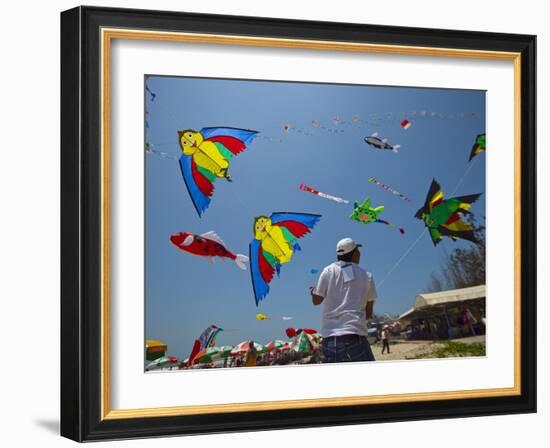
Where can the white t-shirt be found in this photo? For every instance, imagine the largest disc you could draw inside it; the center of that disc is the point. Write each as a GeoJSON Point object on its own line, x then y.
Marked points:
{"type": "Point", "coordinates": [346, 289]}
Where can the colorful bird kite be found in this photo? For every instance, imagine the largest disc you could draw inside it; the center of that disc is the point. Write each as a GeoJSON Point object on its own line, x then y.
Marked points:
{"type": "Point", "coordinates": [443, 217]}
{"type": "Point", "coordinates": [366, 214]}
{"type": "Point", "coordinates": [478, 147]}
{"type": "Point", "coordinates": [207, 245]}
{"type": "Point", "coordinates": [274, 243]}
{"type": "Point", "coordinates": [381, 143]}
{"type": "Point", "coordinates": [206, 156]}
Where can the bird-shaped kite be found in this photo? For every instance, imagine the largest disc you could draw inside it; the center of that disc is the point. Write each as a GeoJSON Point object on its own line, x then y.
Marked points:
{"type": "Point", "coordinates": [206, 156]}
{"type": "Point", "coordinates": [274, 243]}
{"type": "Point", "coordinates": [478, 147]}
{"type": "Point", "coordinates": [443, 217]}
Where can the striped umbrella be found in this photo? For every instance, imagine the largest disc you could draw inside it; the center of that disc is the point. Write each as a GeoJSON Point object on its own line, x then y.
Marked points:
{"type": "Point", "coordinates": [164, 361]}
{"type": "Point", "coordinates": [224, 351]}
{"type": "Point", "coordinates": [244, 347]}
{"type": "Point", "coordinates": [275, 345]}
{"type": "Point", "coordinates": [206, 355]}
{"type": "Point", "coordinates": [305, 343]}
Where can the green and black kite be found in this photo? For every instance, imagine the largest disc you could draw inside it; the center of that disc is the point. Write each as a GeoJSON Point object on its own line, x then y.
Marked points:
{"type": "Point", "coordinates": [443, 217]}
{"type": "Point", "coordinates": [479, 146]}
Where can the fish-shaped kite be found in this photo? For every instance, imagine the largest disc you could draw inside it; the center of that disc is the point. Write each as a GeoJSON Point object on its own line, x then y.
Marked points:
{"type": "Point", "coordinates": [443, 217]}
{"type": "Point", "coordinates": [206, 156]}
{"type": "Point", "coordinates": [207, 245]}
{"type": "Point", "coordinates": [381, 143]}
{"type": "Point", "coordinates": [274, 243]}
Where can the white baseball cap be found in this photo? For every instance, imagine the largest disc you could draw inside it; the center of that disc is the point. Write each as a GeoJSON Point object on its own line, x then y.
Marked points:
{"type": "Point", "coordinates": [346, 245]}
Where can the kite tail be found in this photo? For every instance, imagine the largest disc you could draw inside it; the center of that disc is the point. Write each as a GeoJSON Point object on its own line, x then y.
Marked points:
{"type": "Point", "coordinates": [396, 148]}
{"type": "Point", "coordinates": [401, 229]}
{"type": "Point", "coordinates": [241, 261]}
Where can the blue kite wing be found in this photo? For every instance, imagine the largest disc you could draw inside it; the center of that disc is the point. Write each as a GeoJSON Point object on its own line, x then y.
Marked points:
{"type": "Point", "coordinates": [201, 201]}
{"type": "Point", "coordinates": [260, 286]}
{"type": "Point", "coordinates": [307, 219]}
{"type": "Point", "coordinates": [245, 135]}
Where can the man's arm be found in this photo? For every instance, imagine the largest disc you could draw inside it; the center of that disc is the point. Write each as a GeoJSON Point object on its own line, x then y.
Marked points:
{"type": "Point", "coordinates": [315, 298]}
{"type": "Point", "coordinates": [371, 297]}
{"type": "Point", "coordinates": [369, 309]}
{"type": "Point", "coordinates": [319, 292]}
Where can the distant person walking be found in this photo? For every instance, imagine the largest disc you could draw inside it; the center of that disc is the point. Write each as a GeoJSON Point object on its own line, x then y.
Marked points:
{"type": "Point", "coordinates": [251, 355]}
{"type": "Point", "coordinates": [347, 293]}
{"type": "Point", "coordinates": [385, 339]}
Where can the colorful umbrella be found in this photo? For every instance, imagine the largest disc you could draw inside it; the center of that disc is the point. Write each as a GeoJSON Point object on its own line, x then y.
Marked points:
{"type": "Point", "coordinates": [244, 347]}
{"type": "Point", "coordinates": [275, 345]}
{"type": "Point", "coordinates": [163, 361]}
{"type": "Point", "coordinates": [224, 351]}
{"type": "Point", "coordinates": [206, 355]}
{"type": "Point", "coordinates": [306, 342]}
{"type": "Point", "coordinates": [293, 332]}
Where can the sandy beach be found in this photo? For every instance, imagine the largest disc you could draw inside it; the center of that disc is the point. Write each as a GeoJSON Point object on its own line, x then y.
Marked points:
{"type": "Point", "coordinates": [418, 349]}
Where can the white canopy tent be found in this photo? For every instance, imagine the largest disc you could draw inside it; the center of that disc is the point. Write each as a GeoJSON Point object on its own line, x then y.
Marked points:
{"type": "Point", "coordinates": [446, 306]}
{"type": "Point", "coordinates": [450, 296]}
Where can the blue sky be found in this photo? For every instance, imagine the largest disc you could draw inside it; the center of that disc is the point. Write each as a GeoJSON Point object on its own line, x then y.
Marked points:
{"type": "Point", "coordinates": [184, 294]}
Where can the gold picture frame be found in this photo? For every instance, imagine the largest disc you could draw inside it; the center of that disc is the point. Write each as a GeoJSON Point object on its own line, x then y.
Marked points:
{"type": "Point", "coordinates": [99, 420]}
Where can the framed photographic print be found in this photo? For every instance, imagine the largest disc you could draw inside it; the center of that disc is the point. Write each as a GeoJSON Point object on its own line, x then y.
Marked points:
{"type": "Point", "coordinates": [275, 224]}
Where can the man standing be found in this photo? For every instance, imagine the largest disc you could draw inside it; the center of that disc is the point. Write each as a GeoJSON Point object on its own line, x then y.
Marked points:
{"type": "Point", "coordinates": [385, 339]}
{"type": "Point", "coordinates": [348, 295]}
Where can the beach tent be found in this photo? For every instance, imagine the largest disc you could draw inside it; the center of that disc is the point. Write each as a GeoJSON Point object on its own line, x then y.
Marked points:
{"type": "Point", "coordinates": [445, 306]}
{"type": "Point", "coordinates": [154, 349]}
{"type": "Point", "coordinates": [449, 296]}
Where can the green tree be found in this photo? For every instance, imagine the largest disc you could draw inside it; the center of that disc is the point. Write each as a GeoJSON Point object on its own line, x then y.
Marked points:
{"type": "Point", "coordinates": [462, 267]}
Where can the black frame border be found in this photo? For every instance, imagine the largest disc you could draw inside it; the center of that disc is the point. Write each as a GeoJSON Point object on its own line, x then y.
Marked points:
{"type": "Point", "coordinates": [81, 223]}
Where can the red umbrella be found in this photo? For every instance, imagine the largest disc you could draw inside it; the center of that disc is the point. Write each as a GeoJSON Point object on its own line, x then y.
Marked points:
{"type": "Point", "coordinates": [292, 332]}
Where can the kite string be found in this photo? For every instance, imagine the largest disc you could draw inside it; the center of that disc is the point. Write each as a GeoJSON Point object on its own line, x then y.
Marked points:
{"type": "Point", "coordinates": [406, 253]}
{"type": "Point", "coordinates": [161, 154]}
{"type": "Point", "coordinates": [411, 247]}
{"type": "Point", "coordinates": [459, 183]}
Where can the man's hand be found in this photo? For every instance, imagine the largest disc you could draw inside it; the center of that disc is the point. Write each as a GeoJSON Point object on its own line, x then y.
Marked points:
{"type": "Point", "coordinates": [316, 299]}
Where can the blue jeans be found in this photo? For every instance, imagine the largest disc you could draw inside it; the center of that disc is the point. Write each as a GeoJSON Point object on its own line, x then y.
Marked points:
{"type": "Point", "coordinates": [347, 348]}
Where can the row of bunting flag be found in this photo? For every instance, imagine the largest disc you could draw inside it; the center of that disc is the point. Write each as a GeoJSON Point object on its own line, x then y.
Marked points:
{"type": "Point", "coordinates": [206, 157]}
